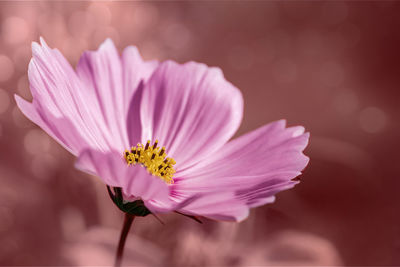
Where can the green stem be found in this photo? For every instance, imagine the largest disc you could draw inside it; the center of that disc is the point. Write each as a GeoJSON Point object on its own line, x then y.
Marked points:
{"type": "Point", "coordinates": [124, 233]}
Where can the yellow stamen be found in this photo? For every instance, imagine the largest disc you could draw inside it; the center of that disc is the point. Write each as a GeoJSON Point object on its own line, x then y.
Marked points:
{"type": "Point", "coordinates": [153, 158]}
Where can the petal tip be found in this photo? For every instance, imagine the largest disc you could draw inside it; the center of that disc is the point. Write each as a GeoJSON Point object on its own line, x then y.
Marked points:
{"type": "Point", "coordinates": [35, 47]}
{"type": "Point", "coordinates": [21, 103]}
{"type": "Point", "coordinates": [297, 131]}
{"type": "Point", "coordinates": [306, 160]}
{"type": "Point", "coordinates": [84, 162]}
{"type": "Point", "coordinates": [281, 123]}
{"type": "Point", "coordinates": [107, 44]}
{"type": "Point", "coordinates": [243, 216]}
{"type": "Point", "coordinates": [17, 98]}
{"type": "Point", "coordinates": [42, 41]}
{"type": "Point", "coordinates": [131, 50]}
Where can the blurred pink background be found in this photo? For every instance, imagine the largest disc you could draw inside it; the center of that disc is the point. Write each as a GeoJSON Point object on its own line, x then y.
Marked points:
{"type": "Point", "coordinates": [330, 66]}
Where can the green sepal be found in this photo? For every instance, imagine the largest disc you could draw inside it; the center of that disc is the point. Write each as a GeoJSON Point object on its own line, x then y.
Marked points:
{"type": "Point", "coordinates": [136, 208]}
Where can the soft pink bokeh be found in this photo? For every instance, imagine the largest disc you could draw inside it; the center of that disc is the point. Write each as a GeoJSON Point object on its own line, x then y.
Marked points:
{"type": "Point", "coordinates": [330, 66]}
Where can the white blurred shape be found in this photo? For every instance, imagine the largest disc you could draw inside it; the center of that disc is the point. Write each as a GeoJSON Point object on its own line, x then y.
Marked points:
{"type": "Point", "coordinates": [345, 101]}
{"type": "Point", "coordinates": [36, 142]}
{"type": "Point", "coordinates": [373, 120]}
{"type": "Point", "coordinates": [101, 12]}
{"type": "Point", "coordinates": [81, 24]}
{"type": "Point", "coordinates": [296, 248]}
{"type": "Point", "coordinates": [342, 152]}
{"type": "Point", "coordinates": [72, 222]}
{"type": "Point", "coordinates": [4, 101]}
{"type": "Point", "coordinates": [332, 73]}
{"type": "Point", "coordinates": [145, 15]}
{"type": "Point", "coordinates": [196, 249]}
{"type": "Point", "coordinates": [240, 58]}
{"type": "Point", "coordinates": [21, 57]}
{"type": "Point", "coordinates": [285, 71]}
{"type": "Point", "coordinates": [176, 35]}
{"type": "Point", "coordinates": [334, 12]}
{"type": "Point", "coordinates": [6, 68]}
{"type": "Point", "coordinates": [72, 48]}
{"type": "Point", "coordinates": [52, 28]}
{"type": "Point", "coordinates": [15, 30]}
{"type": "Point", "coordinates": [43, 165]}
{"type": "Point", "coordinates": [97, 246]}
{"type": "Point", "coordinates": [151, 50]}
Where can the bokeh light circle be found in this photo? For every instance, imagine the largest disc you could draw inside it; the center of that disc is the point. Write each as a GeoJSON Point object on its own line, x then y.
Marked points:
{"type": "Point", "coordinates": [373, 120]}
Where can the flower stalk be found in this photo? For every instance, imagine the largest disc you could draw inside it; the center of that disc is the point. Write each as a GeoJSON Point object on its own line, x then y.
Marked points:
{"type": "Point", "coordinates": [124, 233]}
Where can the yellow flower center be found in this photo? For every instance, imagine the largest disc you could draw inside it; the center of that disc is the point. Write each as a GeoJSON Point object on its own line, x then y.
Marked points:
{"type": "Point", "coordinates": [153, 158]}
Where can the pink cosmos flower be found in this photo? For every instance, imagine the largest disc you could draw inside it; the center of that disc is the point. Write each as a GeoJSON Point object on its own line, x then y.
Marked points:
{"type": "Point", "coordinates": [107, 109]}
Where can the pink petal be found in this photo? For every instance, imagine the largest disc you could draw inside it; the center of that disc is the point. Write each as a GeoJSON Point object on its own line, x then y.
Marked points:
{"type": "Point", "coordinates": [61, 129]}
{"type": "Point", "coordinates": [58, 93]}
{"type": "Point", "coordinates": [135, 181]}
{"type": "Point", "coordinates": [255, 166]}
{"type": "Point", "coordinates": [263, 193]}
{"type": "Point", "coordinates": [136, 72]}
{"type": "Point", "coordinates": [217, 206]}
{"type": "Point", "coordinates": [268, 149]}
{"type": "Point", "coordinates": [101, 72]}
{"type": "Point", "coordinates": [93, 101]}
{"type": "Point", "coordinates": [191, 109]}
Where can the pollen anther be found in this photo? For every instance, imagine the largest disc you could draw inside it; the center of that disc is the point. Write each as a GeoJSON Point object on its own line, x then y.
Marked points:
{"type": "Point", "coordinates": [153, 158]}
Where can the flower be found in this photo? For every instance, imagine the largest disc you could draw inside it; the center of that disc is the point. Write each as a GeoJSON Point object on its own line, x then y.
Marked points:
{"type": "Point", "coordinates": [160, 131]}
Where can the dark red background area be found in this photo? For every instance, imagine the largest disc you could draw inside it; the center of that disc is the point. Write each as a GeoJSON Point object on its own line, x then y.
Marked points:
{"type": "Point", "coordinates": [332, 67]}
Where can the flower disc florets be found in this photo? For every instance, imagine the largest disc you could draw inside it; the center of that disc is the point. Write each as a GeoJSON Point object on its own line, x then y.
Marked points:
{"type": "Point", "coordinates": [153, 158]}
